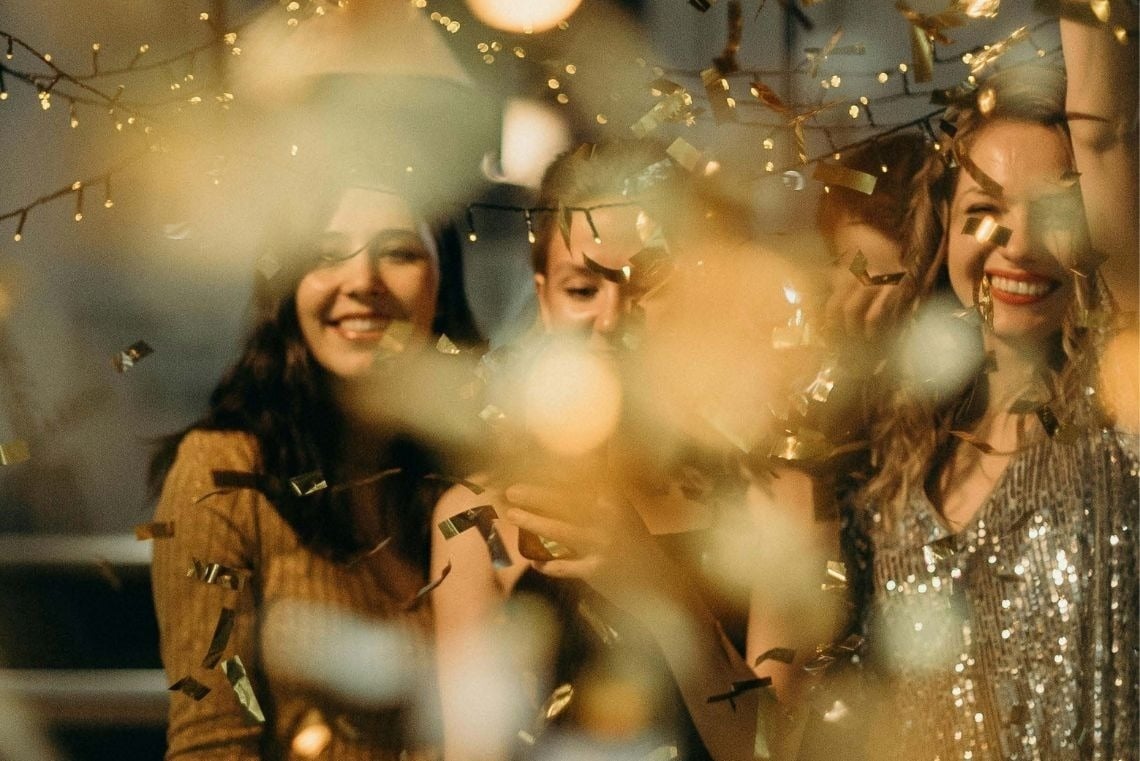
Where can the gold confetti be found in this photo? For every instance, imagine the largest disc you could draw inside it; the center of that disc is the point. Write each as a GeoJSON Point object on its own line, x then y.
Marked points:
{"type": "Point", "coordinates": [426, 589]}
{"type": "Point", "coordinates": [677, 106]}
{"type": "Point", "coordinates": [235, 673]}
{"type": "Point", "coordinates": [924, 31]}
{"type": "Point", "coordinates": [188, 685]}
{"type": "Point", "coordinates": [14, 452]}
{"type": "Point", "coordinates": [130, 356]}
{"type": "Point", "coordinates": [986, 230]}
{"type": "Point", "coordinates": [816, 58]}
{"type": "Point", "coordinates": [687, 156]}
{"type": "Point", "coordinates": [145, 531]}
{"type": "Point", "coordinates": [996, 50]}
{"type": "Point", "coordinates": [768, 97]}
{"type": "Point", "coordinates": [837, 174]}
{"type": "Point", "coordinates": [216, 573]}
{"type": "Point", "coordinates": [308, 483]}
{"type": "Point", "coordinates": [716, 89]}
{"type": "Point", "coordinates": [858, 268]}
{"type": "Point", "coordinates": [978, 8]}
{"type": "Point", "coordinates": [483, 518]}
{"type": "Point", "coordinates": [739, 688]}
{"type": "Point", "coordinates": [221, 638]}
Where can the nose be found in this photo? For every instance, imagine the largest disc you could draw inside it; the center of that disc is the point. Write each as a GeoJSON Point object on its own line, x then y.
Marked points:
{"type": "Point", "coordinates": [361, 276]}
{"type": "Point", "coordinates": [1023, 243]}
{"type": "Point", "coordinates": [611, 309]}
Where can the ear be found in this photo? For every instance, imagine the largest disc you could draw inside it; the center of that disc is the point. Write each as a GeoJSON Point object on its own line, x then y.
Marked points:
{"type": "Point", "coordinates": [542, 295]}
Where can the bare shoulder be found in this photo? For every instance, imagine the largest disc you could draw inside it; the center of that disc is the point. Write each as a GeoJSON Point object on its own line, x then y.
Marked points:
{"type": "Point", "coordinates": [468, 550]}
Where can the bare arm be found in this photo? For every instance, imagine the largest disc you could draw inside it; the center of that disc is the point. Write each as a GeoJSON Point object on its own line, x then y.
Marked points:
{"type": "Point", "coordinates": [1102, 84]}
{"type": "Point", "coordinates": [476, 686]}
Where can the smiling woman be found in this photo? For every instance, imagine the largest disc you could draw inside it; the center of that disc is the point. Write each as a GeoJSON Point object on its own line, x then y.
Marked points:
{"type": "Point", "coordinates": [994, 545]}
{"type": "Point", "coordinates": [285, 497]}
{"type": "Point", "coordinates": [377, 269]}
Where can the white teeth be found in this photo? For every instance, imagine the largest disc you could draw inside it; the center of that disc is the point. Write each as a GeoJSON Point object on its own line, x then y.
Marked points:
{"type": "Point", "coordinates": [1020, 287]}
{"type": "Point", "coordinates": [361, 324]}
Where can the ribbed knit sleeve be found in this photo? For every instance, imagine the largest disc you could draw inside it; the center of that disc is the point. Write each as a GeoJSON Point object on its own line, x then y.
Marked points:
{"type": "Point", "coordinates": [209, 527]}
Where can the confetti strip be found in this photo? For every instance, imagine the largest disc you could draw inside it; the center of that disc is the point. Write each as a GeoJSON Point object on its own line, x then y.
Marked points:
{"type": "Point", "coordinates": [235, 673]}
{"type": "Point", "coordinates": [837, 174]}
{"type": "Point", "coordinates": [986, 230]}
{"type": "Point", "coordinates": [215, 573]}
{"type": "Point", "coordinates": [426, 589]}
{"type": "Point", "coordinates": [130, 356]}
{"type": "Point", "coordinates": [483, 518]}
{"type": "Point", "coordinates": [740, 687]}
{"type": "Point", "coordinates": [221, 638]}
{"type": "Point", "coordinates": [858, 268]}
{"type": "Point", "coordinates": [190, 686]}
{"type": "Point", "coordinates": [308, 483]}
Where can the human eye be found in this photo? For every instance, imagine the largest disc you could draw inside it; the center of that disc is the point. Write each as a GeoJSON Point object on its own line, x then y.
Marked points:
{"type": "Point", "coordinates": [403, 254]}
{"type": "Point", "coordinates": [580, 291]}
{"type": "Point", "coordinates": [982, 208]}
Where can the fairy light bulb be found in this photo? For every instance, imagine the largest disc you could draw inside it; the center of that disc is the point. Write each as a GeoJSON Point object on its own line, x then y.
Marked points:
{"type": "Point", "coordinates": [77, 186]}
{"type": "Point", "coordinates": [529, 226]}
{"type": "Point", "coordinates": [471, 235]}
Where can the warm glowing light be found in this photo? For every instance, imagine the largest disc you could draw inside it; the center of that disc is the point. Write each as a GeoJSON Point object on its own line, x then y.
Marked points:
{"type": "Point", "coordinates": [525, 17]}
{"type": "Point", "coordinates": [533, 134]}
{"type": "Point", "coordinates": [979, 8]}
{"type": "Point", "coordinates": [572, 400]}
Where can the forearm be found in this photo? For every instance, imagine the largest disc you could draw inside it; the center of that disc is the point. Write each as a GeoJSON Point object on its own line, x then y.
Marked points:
{"type": "Point", "coordinates": [1101, 102]}
{"type": "Point", "coordinates": [704, 664]}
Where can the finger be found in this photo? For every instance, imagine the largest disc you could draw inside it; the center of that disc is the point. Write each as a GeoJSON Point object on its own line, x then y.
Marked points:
{"type": "Point", "coordinates": [578, 539]}
{"type": "Point", "coordinates": [568, 568]}
{"type": "Point", "coordinates": [544, 500]}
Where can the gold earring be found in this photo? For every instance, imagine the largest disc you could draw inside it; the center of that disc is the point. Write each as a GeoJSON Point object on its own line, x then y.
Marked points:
{"type": "Point", "coordinates": [985, 302]}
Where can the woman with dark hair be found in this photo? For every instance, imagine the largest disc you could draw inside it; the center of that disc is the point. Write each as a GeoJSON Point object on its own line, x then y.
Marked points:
{"type": "Point", "coordinates": [999, 574]}
{"type": "Point", "coordinates": [291, 507]}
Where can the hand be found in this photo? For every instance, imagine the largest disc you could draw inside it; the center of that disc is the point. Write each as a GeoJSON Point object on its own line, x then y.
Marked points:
{"type": "Point", "coordinates": [855, 310]}
{"type": "Point", "coordinates": [610, 547]}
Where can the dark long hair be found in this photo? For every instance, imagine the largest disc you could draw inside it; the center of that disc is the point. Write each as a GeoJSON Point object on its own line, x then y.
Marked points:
{"type": "Point", "coordinates": [278, 394]}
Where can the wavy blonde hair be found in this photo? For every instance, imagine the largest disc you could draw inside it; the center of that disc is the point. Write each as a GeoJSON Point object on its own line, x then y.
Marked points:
{"type": "Point", "coordinates": [911, 430]}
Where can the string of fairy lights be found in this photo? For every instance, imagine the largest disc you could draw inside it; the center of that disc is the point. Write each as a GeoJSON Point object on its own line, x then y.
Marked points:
{"type": "Point", "coordinates": [713, 97]}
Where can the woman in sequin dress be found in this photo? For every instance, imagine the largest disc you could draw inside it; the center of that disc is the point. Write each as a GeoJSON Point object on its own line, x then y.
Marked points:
{"type": "Point", "coordinates": [1002, 565]}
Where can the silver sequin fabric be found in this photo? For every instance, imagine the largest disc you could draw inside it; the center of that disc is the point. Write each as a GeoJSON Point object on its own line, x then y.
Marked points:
{"type": "Point", "coordinates": [1015, 638]}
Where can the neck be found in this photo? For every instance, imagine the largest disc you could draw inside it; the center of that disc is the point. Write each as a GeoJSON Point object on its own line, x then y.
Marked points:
{"type": "Point", "coordinates": [1019, 364]}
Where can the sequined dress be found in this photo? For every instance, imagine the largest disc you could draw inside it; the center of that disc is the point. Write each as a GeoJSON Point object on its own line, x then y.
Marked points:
{"type": "Point", "coordinates": [1015, 638]}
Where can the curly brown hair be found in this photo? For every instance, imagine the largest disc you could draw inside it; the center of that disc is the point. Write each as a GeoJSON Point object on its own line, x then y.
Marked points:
{"type": "Point", "coordinates": [911, 432]}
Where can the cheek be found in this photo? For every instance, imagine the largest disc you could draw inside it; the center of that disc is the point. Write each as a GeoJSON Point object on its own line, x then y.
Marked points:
{"type": "Point", "coordinates": [964, 264]}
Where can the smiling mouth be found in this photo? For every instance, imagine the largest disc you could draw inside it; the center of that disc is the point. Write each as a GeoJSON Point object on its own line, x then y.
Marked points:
{"type": "Point", "coordinates": [360, 328]}
{"type": "Point", "coordinates": [1021, 288]}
